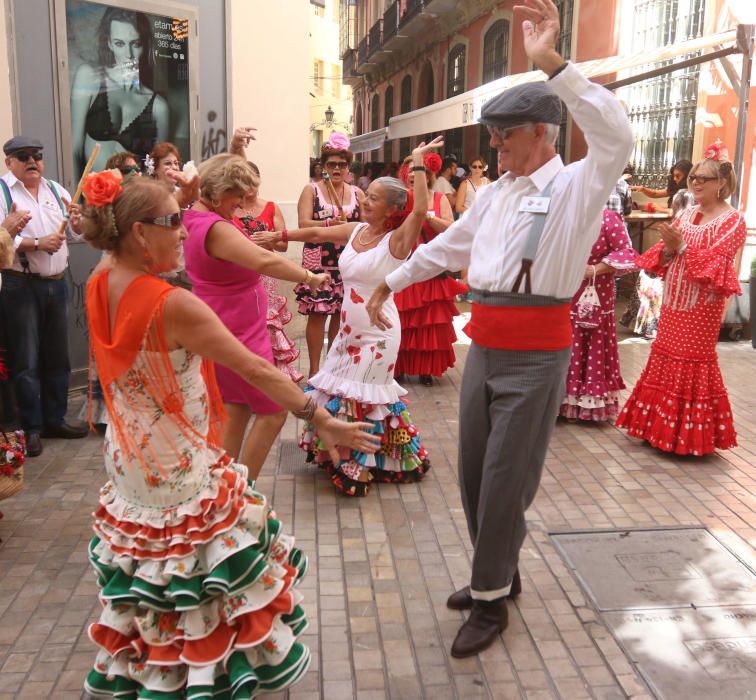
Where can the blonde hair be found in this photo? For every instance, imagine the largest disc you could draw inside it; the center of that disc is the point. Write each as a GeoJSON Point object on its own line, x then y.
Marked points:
{"type": "Point", "coordinates": [717, 168]}
{"type": "Point", "coordinates": [225, 173]}
{"type": "Point", "coordinates": [105, 227]}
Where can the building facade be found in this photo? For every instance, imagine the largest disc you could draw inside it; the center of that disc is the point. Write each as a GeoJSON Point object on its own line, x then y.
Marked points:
{"type": "Point", "coordinates": [401, 56]}
{"type": "Point", "coordinates": [330, 98]}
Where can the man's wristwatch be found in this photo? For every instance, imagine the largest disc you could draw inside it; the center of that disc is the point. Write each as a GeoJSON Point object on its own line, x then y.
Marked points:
{"type": "Point", "coordinates": [36, 243]}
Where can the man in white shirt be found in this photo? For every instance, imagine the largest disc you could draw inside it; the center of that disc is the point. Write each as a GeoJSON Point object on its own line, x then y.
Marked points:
{"type": "Point", "coordinates": [34, 296]}
{"type": "Point", "coordinates": [443, 181]}
{"type": "Point", "coordinates": [536, 225]}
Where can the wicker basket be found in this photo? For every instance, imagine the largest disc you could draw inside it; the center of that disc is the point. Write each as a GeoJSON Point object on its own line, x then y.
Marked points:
{"type": "Point", "coordinates": [12, 458]}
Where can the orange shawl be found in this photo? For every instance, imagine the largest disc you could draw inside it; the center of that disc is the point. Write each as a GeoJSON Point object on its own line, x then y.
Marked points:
{"type": "Point", "coordinates": [140, 325]}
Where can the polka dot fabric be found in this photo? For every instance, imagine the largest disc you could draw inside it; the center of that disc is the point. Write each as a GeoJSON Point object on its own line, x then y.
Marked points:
{"type": "Point", "coordinates": [680, 403]}
{"type": "Point", "coordinates": [593, 379]}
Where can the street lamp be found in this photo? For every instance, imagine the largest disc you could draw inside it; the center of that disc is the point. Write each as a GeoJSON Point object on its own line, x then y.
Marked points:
{"type": "Point", "coordinates": [329, 122]}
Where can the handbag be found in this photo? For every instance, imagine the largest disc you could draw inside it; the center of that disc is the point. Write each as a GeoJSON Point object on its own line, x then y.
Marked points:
{"type": "Point", "coordinates": [12, 458]}
{"type": "Point", "coordinates": [311, 257]}
{"type": "Point", "coordinates": [588, 308]}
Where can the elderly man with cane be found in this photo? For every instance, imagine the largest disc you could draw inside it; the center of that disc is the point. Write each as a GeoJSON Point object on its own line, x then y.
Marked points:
{"type": "Point", "coordinates": [525, 241]}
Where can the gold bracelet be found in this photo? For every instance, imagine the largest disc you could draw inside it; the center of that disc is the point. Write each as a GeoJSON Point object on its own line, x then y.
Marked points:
{"type": "Point", "coordinates": [308, 277]}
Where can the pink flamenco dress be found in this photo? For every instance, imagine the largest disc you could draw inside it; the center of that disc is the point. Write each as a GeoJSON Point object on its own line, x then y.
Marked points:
{"type": "Point", "coordinates": [285, 350]}
{"type": "Point", "coordinates": [680, 403]}
{"type": "Point", "coordinates": [594, 381]}
{"type": "Point", "coordinates": [427, 311]}
{"type": "Point", "coordinates": [197, 579]}
{"type": "Point", "coordinates": [356, 383]}
{"type": "Point", "coordinates": [237, 297]}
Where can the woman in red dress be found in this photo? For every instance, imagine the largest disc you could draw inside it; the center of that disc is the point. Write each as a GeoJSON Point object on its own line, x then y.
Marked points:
{"type": "Point", "coordinates": [427, 309]}
{"type": "Point", "coordinates": [680, 402]}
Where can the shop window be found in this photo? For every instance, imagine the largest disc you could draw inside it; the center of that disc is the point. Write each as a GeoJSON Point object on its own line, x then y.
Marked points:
{"type": "Point", "coordinates": [455, 83]}
{"type": "Point", "coordinates": [496, 51]}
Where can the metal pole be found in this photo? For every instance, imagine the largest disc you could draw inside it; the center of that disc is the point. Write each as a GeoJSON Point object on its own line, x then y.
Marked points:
{"type": "Point", "coordinates": [745, 44]}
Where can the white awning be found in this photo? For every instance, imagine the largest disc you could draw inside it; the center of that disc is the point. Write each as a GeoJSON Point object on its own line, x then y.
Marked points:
{"type": "Point", "coordinates": [370, 141]}
{"type": "Point", "coordinates": [463, 110]}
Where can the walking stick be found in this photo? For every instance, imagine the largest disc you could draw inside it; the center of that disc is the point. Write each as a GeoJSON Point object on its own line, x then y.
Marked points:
{"type": "Point", "coordinates": [77, 194]}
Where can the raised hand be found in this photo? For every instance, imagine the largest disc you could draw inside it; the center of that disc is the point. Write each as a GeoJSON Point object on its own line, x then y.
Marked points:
{"type": "Point", "coordinates": [671, 236]}
{"type": "Point", "coordinates": [540, 30]}
{"type": "Point", "coordinates": [336, 433]}
{"type": "Point", "coordinates": [189, 186]}
{"type": "Point", "coordinates": [242, 137]}
{"type": "Point", "coordinates": [375, 304]}
{"type": "Point", "coordinates": [423, 148]}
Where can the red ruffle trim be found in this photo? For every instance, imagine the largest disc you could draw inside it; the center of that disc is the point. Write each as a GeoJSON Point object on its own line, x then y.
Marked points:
{"type": "Point", "coordinates": [420, 362]}
{"type": "Point", "coordinates": [651, 260]}
{"type": "Point", "coordinates": [421, 294]}
{"type": "Point", "coordinates": [713, 272]}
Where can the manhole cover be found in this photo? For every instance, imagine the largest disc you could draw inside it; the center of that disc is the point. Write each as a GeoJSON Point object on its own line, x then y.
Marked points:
{"type": "Point", "coordinates": [291, 459]}
{"type": "Point", "coordinates": [639, 569]}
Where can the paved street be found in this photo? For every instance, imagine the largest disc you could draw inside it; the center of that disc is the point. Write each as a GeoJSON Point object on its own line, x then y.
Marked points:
{"type": "Point", "coordinates": [382, 567]}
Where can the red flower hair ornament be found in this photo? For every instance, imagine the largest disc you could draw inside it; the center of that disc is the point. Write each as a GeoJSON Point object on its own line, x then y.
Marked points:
{"type": "Point", "coordinates": [102, 188]}
{"type": "Point", "coordinates": [718, 152]}
{"type": "Point", "coordinates": [432, 162]}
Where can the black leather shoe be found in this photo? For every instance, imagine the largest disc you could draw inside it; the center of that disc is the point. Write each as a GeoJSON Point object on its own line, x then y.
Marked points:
{"type": "Point", "coordinates": [462, 599]}
{"type": "Point", "coordinates": [33, 445]}
{"type": "Point", "coordinates": [426, 380]}
{"type": "Point", "coordinates": [66, 431]}
{"type": "Point", "coordinates": [486, 622]}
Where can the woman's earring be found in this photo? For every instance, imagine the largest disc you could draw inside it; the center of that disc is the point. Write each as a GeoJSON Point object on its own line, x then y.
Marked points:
{"type": "Point", "coordinates": [214, 203]}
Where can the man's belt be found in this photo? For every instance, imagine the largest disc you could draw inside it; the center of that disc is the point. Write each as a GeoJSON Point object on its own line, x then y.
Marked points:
{"type": "Point", "coordinates": [35, 275]}
{"type": "Point", "coordinates": [521, 327]}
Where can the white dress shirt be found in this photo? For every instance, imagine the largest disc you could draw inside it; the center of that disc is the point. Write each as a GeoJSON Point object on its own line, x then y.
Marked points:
{"type": "Point", "coordinates": [443, 186]}
{"type": "Point", "coordinates": [489, 239]}
{"type": "Point", "coordinates": [46, 218]}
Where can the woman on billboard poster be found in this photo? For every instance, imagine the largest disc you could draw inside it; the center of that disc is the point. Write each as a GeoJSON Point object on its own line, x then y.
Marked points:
{"type": "Point", "coordinates": [113, 103]}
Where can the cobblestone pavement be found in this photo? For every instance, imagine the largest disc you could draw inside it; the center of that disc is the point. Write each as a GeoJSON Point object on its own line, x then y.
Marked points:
{"type": "Point", "coordinates": [382, 567]}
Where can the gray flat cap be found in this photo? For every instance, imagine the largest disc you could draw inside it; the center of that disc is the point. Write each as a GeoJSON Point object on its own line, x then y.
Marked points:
{"type": "Point", "coordinates": [19, 142]}
{"type": "Point", "coordinates": [530, 102]}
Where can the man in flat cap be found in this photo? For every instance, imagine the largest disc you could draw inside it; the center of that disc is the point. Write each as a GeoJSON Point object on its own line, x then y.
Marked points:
{"type": "Point", "coordinates": [525, 241]}
{"type": "Point", "coordinates": [34, 296]}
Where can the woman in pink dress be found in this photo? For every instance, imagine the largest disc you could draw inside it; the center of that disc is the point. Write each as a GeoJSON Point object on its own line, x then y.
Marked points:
{"type": "Point", "coordinates": [255, 215]}
{"type": "Point", "coordinates": [225, 267]}
{"type": "Point", "coordinates": [680, 403]}
{"type": "Point", "coordinates": [594, 381]}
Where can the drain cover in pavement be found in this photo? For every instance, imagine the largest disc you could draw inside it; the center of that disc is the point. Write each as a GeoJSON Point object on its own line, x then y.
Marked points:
{"type": "Point", "coordinates": [643, 569]}
{"type": "Point", "coordinates": [691, 654]}
{"type": "Point", "coordinates": [291, 459]}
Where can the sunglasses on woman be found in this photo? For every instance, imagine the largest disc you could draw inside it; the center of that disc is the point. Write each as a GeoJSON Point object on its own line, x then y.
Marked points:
{"type": "Point", "coordinates": [341, 165]}
{"type": "Point", "coordinates": [128, 169]}
{"type": "Point", "coordinates": [700, 179]}
{"type": "Point", "coordinates": [167, 221]}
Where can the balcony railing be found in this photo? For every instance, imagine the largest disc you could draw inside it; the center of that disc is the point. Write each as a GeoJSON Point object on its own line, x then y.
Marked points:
{"type": "Point", "coordinates": [375, 37]}
{"type": "Point", "coordinates": [362, 51]}
{"type": "Point", "coordinates": [391, 21]}
{"type": "Point", "coordinates": [414, 8]}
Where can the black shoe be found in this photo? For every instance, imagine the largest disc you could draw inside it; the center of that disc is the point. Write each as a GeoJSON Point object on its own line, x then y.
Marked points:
{"type": "Point", "coordinates": [486, 622]}
{"type": "Point", "coordinates": [426, 380]}
{"type": "Point", "coordinates": [463, 600]}
{"type": "Point", "coordinates": [66, 431]}
{"type": "Point", "coordinates": [33, 445]}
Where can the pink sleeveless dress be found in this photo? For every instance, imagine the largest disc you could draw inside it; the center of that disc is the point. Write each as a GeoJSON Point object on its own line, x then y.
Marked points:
{"type": "Point", "coordinates": [237, 296]}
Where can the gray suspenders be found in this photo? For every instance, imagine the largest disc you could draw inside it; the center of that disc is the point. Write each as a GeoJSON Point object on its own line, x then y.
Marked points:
{"type": "Point", "coordinates": [531, 245]}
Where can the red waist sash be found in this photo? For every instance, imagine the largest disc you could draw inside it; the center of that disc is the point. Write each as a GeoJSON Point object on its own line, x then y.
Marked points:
{"type": "Point", "coordinates": [521, 327]}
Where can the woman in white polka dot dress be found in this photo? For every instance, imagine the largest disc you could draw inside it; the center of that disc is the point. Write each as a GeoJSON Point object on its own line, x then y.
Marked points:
{"type": "Point", "coordinates": [594, 380]}
{"type": "Point", "coordinates": [680, 402]}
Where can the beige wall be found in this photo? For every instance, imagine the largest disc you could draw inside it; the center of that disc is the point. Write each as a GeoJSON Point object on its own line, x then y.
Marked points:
{"type": "Point", "coordinates": [6, 96]}
{"type": "Point", "coordinates": [268, 64]}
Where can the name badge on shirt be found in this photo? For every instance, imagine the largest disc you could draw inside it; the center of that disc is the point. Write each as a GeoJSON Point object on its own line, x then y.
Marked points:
{"type": "Point", "coordinates": [535, 205]}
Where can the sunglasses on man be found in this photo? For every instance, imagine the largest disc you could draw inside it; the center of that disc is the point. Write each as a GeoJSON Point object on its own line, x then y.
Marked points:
{"type": "Point", "coordinates": [167, 221]}
{"type": "Point", "coordinates": [502, 133]}
{"type": "Point", "coordinates": [24, 156]}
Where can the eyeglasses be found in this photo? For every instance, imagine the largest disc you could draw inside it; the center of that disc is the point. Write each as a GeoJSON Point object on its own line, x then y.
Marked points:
{"type": "Point", "coordinates": [700, 179]}
{"type": "Point", "coordinates": [333, 165]}
{"type": "Point", "coordinates": [172, 164]}
{"type": "Point", "coordinates": [24, 156]}
{"type": "Point", "coordinates": [477, 167]}
{"type": "Point", "coordinates": [167, 221]}
{"type": "Point", "coordinates": [128, 169]}
{"type": "Point", "coordinates": [503, 134]}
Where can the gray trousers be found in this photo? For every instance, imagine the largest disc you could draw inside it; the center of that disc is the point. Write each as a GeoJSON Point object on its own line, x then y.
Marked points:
{"type": "Point", "coordinates": [508, 407]}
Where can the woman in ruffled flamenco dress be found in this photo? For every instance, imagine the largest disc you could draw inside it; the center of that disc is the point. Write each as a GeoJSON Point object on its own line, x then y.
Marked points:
{"type": "Point", "coordinates": [594, 381]}
{"type": "Point", "coordinates": [255, 215]}
{"type": "Point", "coordinates": [323, 204]}
{"type": "Point", "coordinates": [680, 403]}
{"type": "Point", "coordinates": [357, 380]}
{"type": "Point", "coordinates": [427, 309]}
{"type": "Point", "coordinates": [197, 580]}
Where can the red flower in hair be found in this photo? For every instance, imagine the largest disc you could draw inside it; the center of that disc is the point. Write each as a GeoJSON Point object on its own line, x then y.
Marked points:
{"type": "Point", "coordinates": [432, 162]}
{"type": "Point", "coordinates": [716, 151]}
{"type": "Point", "coordinates": [102, 188]}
